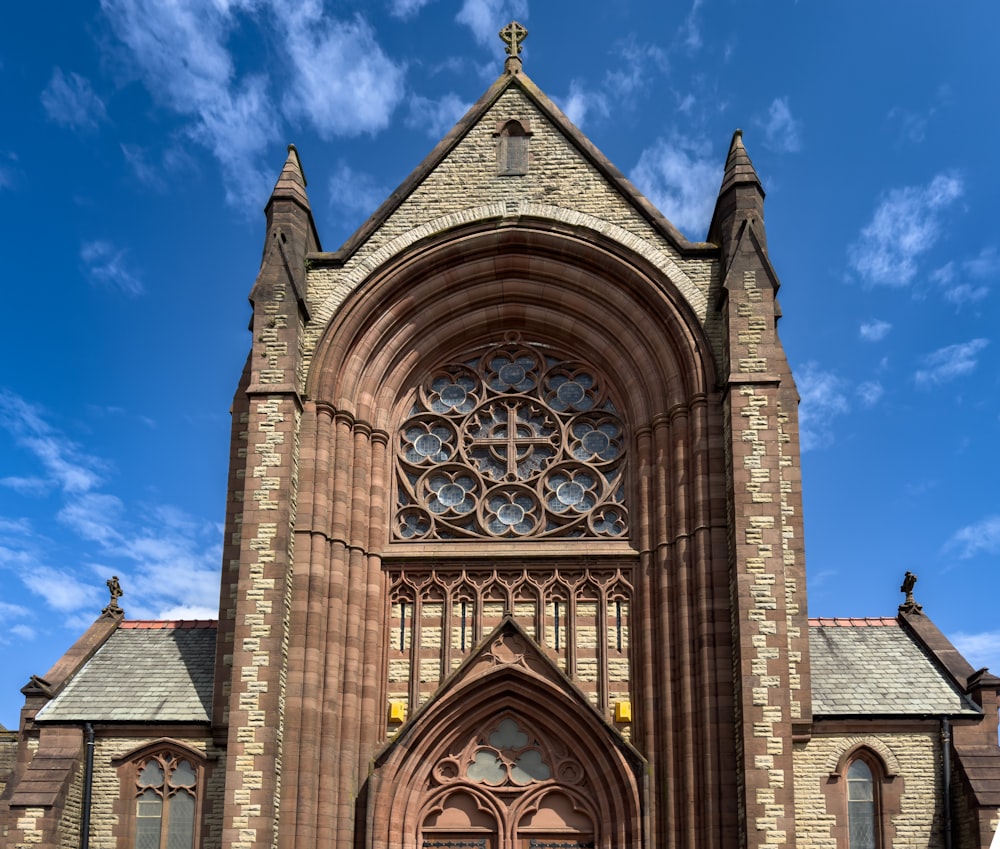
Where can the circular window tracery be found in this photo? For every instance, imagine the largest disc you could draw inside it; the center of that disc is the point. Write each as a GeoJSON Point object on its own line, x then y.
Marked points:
{"type": "Point", "coordinates": [513, 444]}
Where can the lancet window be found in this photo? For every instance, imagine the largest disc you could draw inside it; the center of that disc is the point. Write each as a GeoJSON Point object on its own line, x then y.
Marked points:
{"type": "Point", "coordinates": [517, 443]}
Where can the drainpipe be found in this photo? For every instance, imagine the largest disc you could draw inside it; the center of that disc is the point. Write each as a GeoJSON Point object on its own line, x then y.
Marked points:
{"type": "Point", "coordinates": [88, 783]}
{"type": "Point", "coordinates": [946, 778]}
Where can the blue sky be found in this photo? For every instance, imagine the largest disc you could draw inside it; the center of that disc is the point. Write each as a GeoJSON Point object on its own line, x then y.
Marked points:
{"type": "Point", "coordinates": [141, 139]}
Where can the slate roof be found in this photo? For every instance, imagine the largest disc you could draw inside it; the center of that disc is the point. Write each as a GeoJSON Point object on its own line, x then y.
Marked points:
{"type": "Point", "coordinates": [163, 672]}
{"type": "Point", "coordinates": [144, 672]}
{"type": "Point", "coordinates": [874, 667]}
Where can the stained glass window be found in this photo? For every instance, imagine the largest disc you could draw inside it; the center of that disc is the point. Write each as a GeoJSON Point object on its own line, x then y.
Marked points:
{"type": "Point", "coordinates": [861, 817]}
{"type": "Point", "coordinates": [513, 444]}
{"type": "Point", "coordinates": [165, 802]}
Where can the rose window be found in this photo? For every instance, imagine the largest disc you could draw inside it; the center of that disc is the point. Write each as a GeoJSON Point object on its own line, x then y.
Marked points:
{"type": "Point", "coordinates": [513, 444]}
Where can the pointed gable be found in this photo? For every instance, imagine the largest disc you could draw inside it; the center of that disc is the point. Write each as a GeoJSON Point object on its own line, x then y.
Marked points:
{"type": "Point", "coordinates": [511, 653]}
{"type": "Point", "coordinates": [508, 725]}
{"type": "Point", "coordinates": [560, 177]}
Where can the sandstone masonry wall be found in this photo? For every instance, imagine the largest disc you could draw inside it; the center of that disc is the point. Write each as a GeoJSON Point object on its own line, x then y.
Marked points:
{"type": "Point", "coordinates": [919, 821]}
{"type": "Point", "coordinates": [560, 184]}
{"type": "Point", "coordinates": [106, 797]}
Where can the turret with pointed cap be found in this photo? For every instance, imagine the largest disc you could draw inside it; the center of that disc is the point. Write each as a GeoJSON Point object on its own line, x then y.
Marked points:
{"type": "Point", "coordinates": [741, 197]}
{"type": "Point", "coordinates": [288, 207]}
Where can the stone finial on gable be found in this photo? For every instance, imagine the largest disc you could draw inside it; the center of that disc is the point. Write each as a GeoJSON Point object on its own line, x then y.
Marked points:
{"type": "Point", "coordinates": [513, 36]}
{"type": "Point", "coordinates": [909, 605]}
{"type": "Point", "coordinates": [115, 589]}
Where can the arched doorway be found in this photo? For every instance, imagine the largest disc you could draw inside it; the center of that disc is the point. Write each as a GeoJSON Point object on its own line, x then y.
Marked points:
{"type": "Point", "coordinates": [508, 755]}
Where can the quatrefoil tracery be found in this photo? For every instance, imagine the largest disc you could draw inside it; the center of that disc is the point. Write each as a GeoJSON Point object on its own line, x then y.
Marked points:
{"type": "Point", "coordinates": [513, 444]}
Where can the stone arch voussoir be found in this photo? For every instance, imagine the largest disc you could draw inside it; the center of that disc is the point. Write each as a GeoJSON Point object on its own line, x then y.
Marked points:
{"type": "Point", "coordinates": [547, 280]}
{"type": "Point", "coordinates": [850, 745]}
{"type": "Point", "coordinates": [404, 771]}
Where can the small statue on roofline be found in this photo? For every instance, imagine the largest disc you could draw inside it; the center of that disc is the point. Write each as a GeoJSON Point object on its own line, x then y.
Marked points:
{"type": "Point", "coordinates": [909, 604]}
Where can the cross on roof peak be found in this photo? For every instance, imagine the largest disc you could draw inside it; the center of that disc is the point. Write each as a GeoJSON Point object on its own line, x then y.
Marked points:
{"type": "Point", "coordinates": [513, 36]}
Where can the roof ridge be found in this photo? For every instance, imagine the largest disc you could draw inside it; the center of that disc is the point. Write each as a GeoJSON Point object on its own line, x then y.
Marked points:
{"type": "Point", "coordinates": [163, 624]}
{"type": "Point", "coordinates": [853, 621]}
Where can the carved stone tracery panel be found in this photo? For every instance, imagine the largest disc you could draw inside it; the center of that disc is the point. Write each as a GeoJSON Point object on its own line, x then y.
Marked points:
{"type": "Point", "coordinates": [580, 616]}
{"type": "Point", "coordinates": [507, 786]}
{"type": "Point", "coordinates": [516, 443]}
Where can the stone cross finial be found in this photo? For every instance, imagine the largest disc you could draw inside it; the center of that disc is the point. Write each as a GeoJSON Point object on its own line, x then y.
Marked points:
{"type": "Point", "coordinates": [909, 604]}
{"type": "Point", "coordinates": [512, 36]}
{"type": "Point", "coordinates": [116, 593]}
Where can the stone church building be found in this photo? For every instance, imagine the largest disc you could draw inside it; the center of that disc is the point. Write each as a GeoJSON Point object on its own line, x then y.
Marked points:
{"type": "Point", "coordinates": [513, 557]}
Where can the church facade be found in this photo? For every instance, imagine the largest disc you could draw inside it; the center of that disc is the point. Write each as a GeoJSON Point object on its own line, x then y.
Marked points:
{"type": "Point", "coordinates": [514, 556]}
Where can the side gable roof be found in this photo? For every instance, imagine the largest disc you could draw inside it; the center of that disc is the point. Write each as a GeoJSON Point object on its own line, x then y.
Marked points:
{"type": "Point", "coordinates": [146, 671]}
{"type": "Point", "coordinates": [514, 77]}
{"type": "Point", "coordinates": [874, 667]}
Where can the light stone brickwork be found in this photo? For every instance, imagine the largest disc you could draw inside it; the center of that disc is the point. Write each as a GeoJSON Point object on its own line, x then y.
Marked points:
{"type": "Point", "coordinates": [72, 817]}
{"type": "Point", "coordinates": [918, 758]}
{"type": "Point", "coordinates": [762, 616]}
{"type": "Point", "coordinates": [560, 185]}
{"type": "Point", "coordinates": [29, 823]}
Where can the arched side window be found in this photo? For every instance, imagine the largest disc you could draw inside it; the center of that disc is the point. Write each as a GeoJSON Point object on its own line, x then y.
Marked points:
{"type": "Point", "coordinates": [162, 786]}
{"type": "Point", "coordinates": [862, 807]}
{"type": "Point", "coordinates": [863, 795]}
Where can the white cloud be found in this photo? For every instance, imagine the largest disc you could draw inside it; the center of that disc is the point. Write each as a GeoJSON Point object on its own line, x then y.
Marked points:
{"type": "Point", "coordinates": [579, 102]}
{"type": "Point", "coordinates": [11, 611]}
{"type": "Point", "coordinates": [167, 558]}
{"type": "Point", "coordinates": [966, 293]}
{"type": "Point", "coordinates": [689, 33]}
{"type": "Point", "coordinates": [638, 63]}
{"type": "Point", "coordinates": [354, 193]}
{"type": "Point", "coordinates": [822, 398]}
{"type": "Point", "coordinates": [913, 125]}
{"type": "Point", "coordinates": [174, 566]}
{"type": "Point", "coordinates": [906, 225]}
{"type": "Point", "coordinates": [982, 537]}
{"type": "Point", "coordinates": [94, 516]}
{"type": "Point", "coordinates": [436, 117]}
{"type": "Point", "coordinates": [345, 84]}
{"type": "Point", "coordinates": [487, 17]}
{"type": "Point", "coordinates": [870, 392]}
{"type": "Point", "coordinates": [681, 177]}
{"type": "Point", "coordinates": [10, 176]}
{"type": "Point", "coordinates": [152, 168]}
{"type": "Point", "coordinates": [105, 264]}
{"type": "Point", "coordinates": [984, 265]}
{"type": "Point", "coordinates": [782, 132]}
{"type": "Point", "coordinates": [65, 465]}
{"type": "Point", "coordinates": [982, 649]}
{"type": "Point", "coordinates": [969, 281]}
{"type": "Point", "coordinates": [875, 330]}
{"type": "Point", "coordinates": [334, 76]}
{"type": "Point", "coordinates": [406, 8]}
{"type": "Point", "coordinates": [26, 485]}
{"type": "Point", "coordinates": [69, 99]}
{"type": "Point", "coordinates": [61, 589]}
{"type": "Point", "coordinates": [949, 362]}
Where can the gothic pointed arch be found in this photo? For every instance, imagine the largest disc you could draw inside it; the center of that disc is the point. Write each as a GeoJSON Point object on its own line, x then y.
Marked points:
{"type": "Point", "coordinates": [506, 752]}
{"type": "Point", "coordinates": [611, 578]}
{"type": "Point", "coordinates": [469, 285]}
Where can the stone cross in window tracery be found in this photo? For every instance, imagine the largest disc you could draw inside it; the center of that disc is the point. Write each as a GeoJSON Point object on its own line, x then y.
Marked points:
{"type": "Point", "coordinates": [514, 443]}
